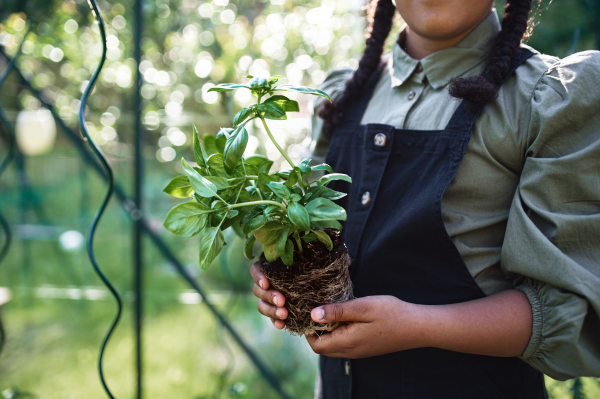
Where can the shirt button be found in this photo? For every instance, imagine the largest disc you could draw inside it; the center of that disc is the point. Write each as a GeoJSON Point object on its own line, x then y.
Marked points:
{"type": "Point", "coordinates": [366, 198]}
{"type": "Point", "coordinates": [411, 95]}
{"type": "Point", "coordinates": [347, 367]}
{"type": "Point", "coordinates": [380, 140]}
{"type": "Point", "coordinates": [419, 68]}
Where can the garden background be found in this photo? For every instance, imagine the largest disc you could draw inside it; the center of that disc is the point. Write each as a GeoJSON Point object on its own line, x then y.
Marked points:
{"type": "Point", "coordinates": [56, 311]}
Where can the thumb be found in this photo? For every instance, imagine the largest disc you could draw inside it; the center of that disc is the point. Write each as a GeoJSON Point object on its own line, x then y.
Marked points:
{"type": "Point", "coordinates": [353, 310]}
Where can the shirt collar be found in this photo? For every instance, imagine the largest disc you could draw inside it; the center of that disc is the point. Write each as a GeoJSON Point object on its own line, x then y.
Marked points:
{"type": "Point", "coordinates": [449, 63]}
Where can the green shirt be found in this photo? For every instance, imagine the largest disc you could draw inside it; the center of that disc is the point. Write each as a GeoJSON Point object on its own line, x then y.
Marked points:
{"type": "Point", "coordinates": [524, 206]}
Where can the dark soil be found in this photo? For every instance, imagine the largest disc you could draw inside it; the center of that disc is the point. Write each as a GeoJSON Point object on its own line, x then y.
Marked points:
{"type": "Point", "coordinates": [317, 277]}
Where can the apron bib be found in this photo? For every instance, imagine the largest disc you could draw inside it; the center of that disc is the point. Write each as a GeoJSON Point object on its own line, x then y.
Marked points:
{"type": "Point", "coordinates": [399, 246]}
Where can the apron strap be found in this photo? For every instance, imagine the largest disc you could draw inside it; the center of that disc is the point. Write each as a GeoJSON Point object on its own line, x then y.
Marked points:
{"type": "Point", "coordinates": [466, 113]}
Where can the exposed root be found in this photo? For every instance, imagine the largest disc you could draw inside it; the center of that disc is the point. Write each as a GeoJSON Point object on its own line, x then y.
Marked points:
{"type": "Point", "coordinates": [319, 277]}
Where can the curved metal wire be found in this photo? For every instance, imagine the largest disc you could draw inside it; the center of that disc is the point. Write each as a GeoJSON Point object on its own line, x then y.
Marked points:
{"type": "Point", "coordinates": [109, 174]}
{"type": "Point", "coordinates": [3, 165]}
{"type": "Point", "coordinates": [156, 240]}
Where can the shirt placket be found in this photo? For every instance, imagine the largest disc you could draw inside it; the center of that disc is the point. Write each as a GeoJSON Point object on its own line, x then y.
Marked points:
{"type": "Point", "coordinates": [378, 144]}
{"type": "Point", "coordinates": [410, 91]}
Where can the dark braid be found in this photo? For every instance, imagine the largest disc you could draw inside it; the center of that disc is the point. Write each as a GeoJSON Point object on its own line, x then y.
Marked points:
{"type": "Point", "coordinates": [483, 89]}
{"type": "Point", "coordinates": [380, 15]}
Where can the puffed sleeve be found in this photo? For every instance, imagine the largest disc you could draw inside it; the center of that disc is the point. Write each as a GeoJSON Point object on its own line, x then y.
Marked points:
{"type": "Point", "coordinates": [552, 242]}
{"type": "Point", "coordinates": [333, 85]}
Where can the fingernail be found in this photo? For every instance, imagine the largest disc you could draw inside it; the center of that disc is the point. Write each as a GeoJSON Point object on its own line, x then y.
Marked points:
{"type": "Point", "coordinates": [318, 314]}
{"type": "Point", "coordinates": [279, 313]}
{"type": "Point", "coordinates": [261, 284]}
{"type": "Point", "coordinates": [277, 301]}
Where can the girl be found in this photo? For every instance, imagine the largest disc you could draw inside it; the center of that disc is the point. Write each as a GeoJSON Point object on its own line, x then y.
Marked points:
{"type": "Point", "coordinates": [474, 214]}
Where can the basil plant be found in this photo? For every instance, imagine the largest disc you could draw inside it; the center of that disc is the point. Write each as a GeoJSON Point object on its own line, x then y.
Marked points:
{"type": "Point", "coordinates": [281, 210]}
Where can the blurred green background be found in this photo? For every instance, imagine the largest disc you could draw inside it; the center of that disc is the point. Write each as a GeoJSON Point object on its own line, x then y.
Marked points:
{"type": "Point", "coordinates": [59, 310]}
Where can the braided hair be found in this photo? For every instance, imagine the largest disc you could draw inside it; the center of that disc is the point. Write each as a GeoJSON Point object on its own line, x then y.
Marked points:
{"type": "Point", "coordinates": [478, 90]}
{"type": "Point", "coordinates": [483, 89]}
{"type": "Point", "coordinates": [380, 16]}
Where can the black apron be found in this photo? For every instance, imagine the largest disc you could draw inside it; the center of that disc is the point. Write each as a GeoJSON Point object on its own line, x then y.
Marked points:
{"type": "Point", "coordinates": [399, 246]}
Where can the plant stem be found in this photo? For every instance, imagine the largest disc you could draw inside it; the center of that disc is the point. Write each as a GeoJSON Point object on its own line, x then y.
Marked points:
{"type": "Point", "coordinates": [253, 203]}
{"type": "Point", "coordinates": [275, 142]}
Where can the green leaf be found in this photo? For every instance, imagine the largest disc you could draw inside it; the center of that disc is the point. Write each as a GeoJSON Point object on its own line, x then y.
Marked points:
{"type": "Point", "coordinates": [263, 179]}
{"type": "Point", "coordinates": [283, 246]}
{"type": "Point", "coordinates": [232, 213]}
{"type": "Point", "coordinates": [179, 187]}
{"type": "Point", "coordinates": [326, 224]}
{"type": "Point", "coordinates": [275, 78]}
{"type": "Point", "coordinates": [324, 209]}
{"type": "Point", "coordinates": [268, 234]}
{"type": "Point", "coordinates": [211, 243]}
{"type": "Point", "coordinates": [201, 185]}
{"type": "Point", "coordinates": [199, 152]}
{"type": "Point", "coordinates": [295, 197]}
{"type": "Point", "coordinates": [245, 196]}
{"type": "Point", "coordinates": [228, 87]}
{"type": "Point", "coordinates": [201, 171]}
{"type": "Point", "coordinates": [279, 189]}
{"type": "Point", "coordinates": [186, 220]}
{"type": "Point", "coordinates": [322, 192]}
{"type": "Point", "coordinates": [257, 83]}
{"type": "Point", "coordinates": [333, 176]}
{"type": "Point", "coordinates": [280, 244]}
{"type": "Point", "coordinates": [299, 216]}
{"type": "Point", "coordinates": [305, 167]}
{"type": "Point", "coordinates": [322, 166]}
{"type": "Point", "coordinates": [221, 210]}
{"type": "Point", "coordinates": [255, 211]}
{"type": "Point", "coordinates": [209, 143]}
{"type": "Point", "coordinates": [292, 179]}
{"type": "Point", "coordinates": [242, 115]}
{"type": "Point", "coordinates": [234, 149]}
{"type": "Point", "coordinates": [302, 89]}
{"type": "Point", "coordinates": [221, 183]}
{"type": "Point", "coordinates": [271, 253]}
{"type": "Point", "coordinates": [270, 209]}
{"type": "Point", "coordinates": [256, 160]}
{"type": "Point", "coordinates": [215, 165]}
{"type": "Point", "coordinates": [248, 247]}
{"type": "Point", "coordinates": [237, 228]}
{"type": "Point", "coordinates": [324, 238]}
{"type": "Point", "coordinates": [271, 111]}
{"type": "Point", "coordinates": [221, 138]}
{"type": "Point", "coordinates": [256, 223]}
{"type": "Point", "coordinates": [309, 237]}
{"type": "Point", "coordinates": [229, 222]}
{"type": "Point", "coordinates": [265, 167]}
{"type": "Point", "coordinates": [285, 103]}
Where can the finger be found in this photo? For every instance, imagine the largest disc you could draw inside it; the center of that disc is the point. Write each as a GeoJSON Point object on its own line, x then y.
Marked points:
{"type": "Point", "coordinates": [271, 311]}
{"type": "Point", "coordinates": [271, 296]}
{"type": "Point", "coordinates": [258, 276]}
{"type": "Point", "coordinates": [279, 324]}
{"type": "Point", "coordinates": [353, 310]}
{"type": "Point", "coordinates": [334, 344]}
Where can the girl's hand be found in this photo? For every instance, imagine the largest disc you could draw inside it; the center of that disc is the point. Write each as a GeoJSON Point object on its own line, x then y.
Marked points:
{"type": "Point", "coordinates": [376, 325]}
{"type": "Point", "coordinates": [270, 302]}
{"type": "Point", "coordinates": [497, 325]}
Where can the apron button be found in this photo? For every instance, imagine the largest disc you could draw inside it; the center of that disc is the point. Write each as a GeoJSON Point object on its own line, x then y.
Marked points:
{"type": "Point", "coordinates": [366, 198]}
{"type": "Point", "coordinates": [380, 140]}
{"type": "Point", "coordinates": [411, 95]}
{"type": "Point", "coordinates": [347, 367]}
